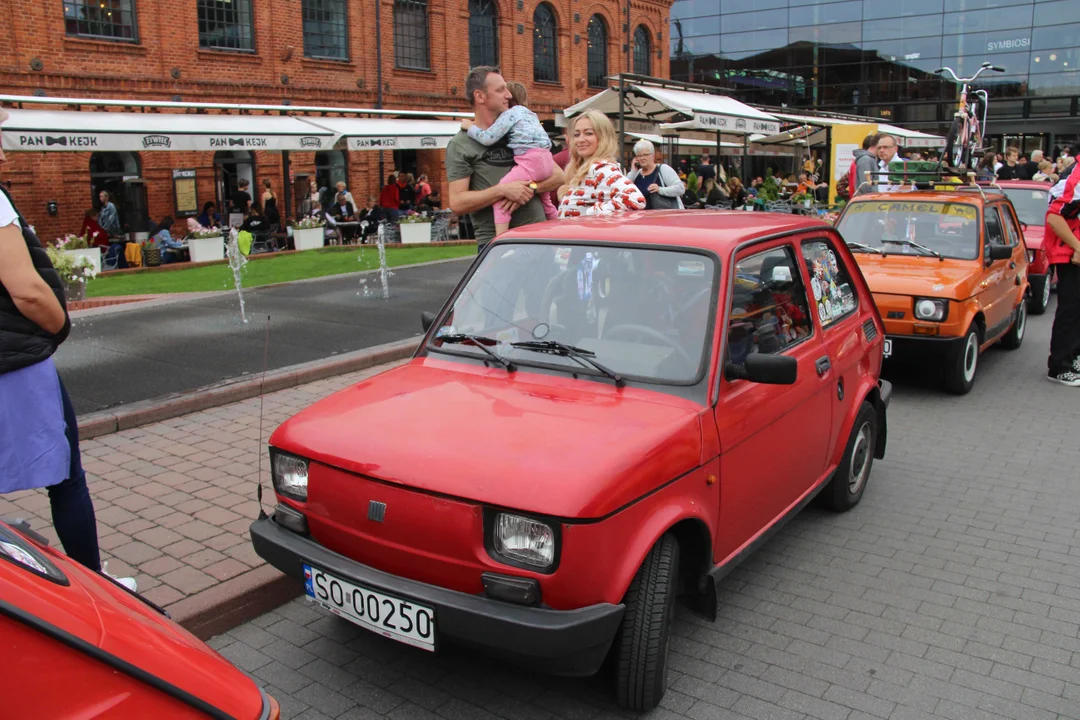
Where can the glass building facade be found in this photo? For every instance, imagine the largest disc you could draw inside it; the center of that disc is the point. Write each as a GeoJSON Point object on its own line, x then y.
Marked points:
{"type": "Point", "coordinates": [877, 58]}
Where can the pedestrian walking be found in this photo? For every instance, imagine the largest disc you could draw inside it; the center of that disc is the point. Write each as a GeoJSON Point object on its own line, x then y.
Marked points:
{"type": "Point", "coordinates": [108, 218]}
{"type": "Point", "coordinates": [659, 183]}
{"type": "Point", "coordinates": [39, 434]}
{"type": "Point", "coordinates": [1061, 243]}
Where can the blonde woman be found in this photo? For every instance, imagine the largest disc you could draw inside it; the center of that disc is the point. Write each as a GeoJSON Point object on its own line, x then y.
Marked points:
{"type": "Point", "coordinates": [596, 185]}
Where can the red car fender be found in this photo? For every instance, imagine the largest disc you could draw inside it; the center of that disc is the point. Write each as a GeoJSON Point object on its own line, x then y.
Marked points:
{"type": "Point", "coordinates": [689, 504]}
{"type": "Point", "coordinates": [867, 390]}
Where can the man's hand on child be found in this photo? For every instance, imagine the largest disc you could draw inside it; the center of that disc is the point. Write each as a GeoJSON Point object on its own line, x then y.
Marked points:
{"type": "Point", "coordinates": [517, 192]}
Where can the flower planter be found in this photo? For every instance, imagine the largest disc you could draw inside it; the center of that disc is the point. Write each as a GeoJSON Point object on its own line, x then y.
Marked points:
{"type": "Point", "coordinates": [308, 238]}
{"type": "Point", "coordinates": [207, 249]}
{"type": "Point", "coordinates": [74, 291]}
{"type": "Point", "coordinates": [91, 254]}
{"type": "Point", "coordinates": [415, 233]}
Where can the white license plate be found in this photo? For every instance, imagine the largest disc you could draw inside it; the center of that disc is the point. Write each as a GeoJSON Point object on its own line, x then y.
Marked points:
{"type": "Point", "coordinates": [391, 617]}
{"type": "Point", "coordinates": [886, 348]}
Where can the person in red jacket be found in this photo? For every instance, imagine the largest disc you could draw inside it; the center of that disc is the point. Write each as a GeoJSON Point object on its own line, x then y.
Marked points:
{"type": "Point", "coordinates": [94, 232]}
{"type": "Point", "coordinates": [1061, 243]}
{"type": "Point", "coordinates": [390, 198]}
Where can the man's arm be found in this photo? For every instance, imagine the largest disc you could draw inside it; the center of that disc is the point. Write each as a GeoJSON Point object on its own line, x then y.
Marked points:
{"type": "Point", "coordinates": [554, 181]}
{"type": "Point", "coordinates": [464, 201]}
{"type": "Point", "coordinates": [30, 293]}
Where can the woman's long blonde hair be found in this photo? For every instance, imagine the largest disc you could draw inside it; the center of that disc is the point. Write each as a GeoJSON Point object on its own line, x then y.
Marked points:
{"type": "Point", "coordinates": [607, 147]}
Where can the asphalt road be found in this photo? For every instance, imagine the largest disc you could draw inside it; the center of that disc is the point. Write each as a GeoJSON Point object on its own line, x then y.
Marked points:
{"type": "Point", "coordinates": [951, 591]}
{"type": "Point", "coordinates": [145, 353]}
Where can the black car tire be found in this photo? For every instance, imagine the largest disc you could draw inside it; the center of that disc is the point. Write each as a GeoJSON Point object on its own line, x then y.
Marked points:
{"type": "Point", "coordinates": [962, 366]}
{"type": "Point", "coordinates": [642, 644]}
{"type": "Point", "coordinates": [1015, 336]}
{"type": "Point", "coordinates": [845, 490]}
{"type": "Point", "coordinates": [1040, 293]}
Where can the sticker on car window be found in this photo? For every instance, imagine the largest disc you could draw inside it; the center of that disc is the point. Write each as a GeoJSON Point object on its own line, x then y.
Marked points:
{"type": "Point", "coordinates": [829, 283]}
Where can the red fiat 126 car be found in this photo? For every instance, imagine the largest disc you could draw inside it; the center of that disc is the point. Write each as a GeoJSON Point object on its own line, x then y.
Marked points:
{"type": "Point", "coordinates": [608, 414]}
{"type": "Point", "coordinates": [78, 645]}
{"type": "Point", "coordinates": [1030, 199]}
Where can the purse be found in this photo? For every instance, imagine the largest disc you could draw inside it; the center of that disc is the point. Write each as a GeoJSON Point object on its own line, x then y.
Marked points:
{"type": "Point", "coordinates": [656, 201]}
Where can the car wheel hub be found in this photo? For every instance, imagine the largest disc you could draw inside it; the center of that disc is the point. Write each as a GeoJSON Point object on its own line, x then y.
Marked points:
{"type": "Point", "coordinates": [1046, 291]}
{"type": "Point", "coordinates": [1021, 320]}
{"type": "Point", "coordinates": [860, 459]}
{"type": "Point", "coordinates": [971, 357]}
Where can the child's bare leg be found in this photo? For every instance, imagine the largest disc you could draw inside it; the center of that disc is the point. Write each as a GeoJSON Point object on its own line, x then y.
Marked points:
{"type": "Point", "coordinates": [500, 228]}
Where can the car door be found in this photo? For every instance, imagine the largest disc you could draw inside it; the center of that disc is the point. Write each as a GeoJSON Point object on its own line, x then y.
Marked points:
{"type": "Point", "coordinates": [838, 320]}
{"type": "Point", "coordinates": [996, 289]}
{"type": "Point", "coordinates": [1016, 270]}
{"type": "Point", "coordinates": [773, 438]}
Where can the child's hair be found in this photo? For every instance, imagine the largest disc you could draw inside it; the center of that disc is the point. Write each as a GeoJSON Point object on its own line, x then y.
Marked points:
{"type": "Point", "coordinates": [518, 94]}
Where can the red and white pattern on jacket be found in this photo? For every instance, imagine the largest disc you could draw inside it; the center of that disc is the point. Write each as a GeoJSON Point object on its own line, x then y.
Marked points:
{"type": "Point", "coordinates": [1064, 192]}
{"type": "Point", "coordinates": [606, 191]}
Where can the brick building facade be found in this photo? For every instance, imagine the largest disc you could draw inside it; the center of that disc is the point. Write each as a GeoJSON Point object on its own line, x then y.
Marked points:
{"type": "Point", "coordinates": [159, 51]}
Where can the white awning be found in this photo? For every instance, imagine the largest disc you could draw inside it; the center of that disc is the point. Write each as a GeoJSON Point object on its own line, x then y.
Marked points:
{"type": "Point", "coordinates": [58, 130]}
{"type": "Point", "coordinates": [683, 142]}
{"type": "Point", "coordinates": [390, 134]}
{"type": "Point", "coordinates": [687, 109]}
{"type": "Point", "coordinates": [912, 138]}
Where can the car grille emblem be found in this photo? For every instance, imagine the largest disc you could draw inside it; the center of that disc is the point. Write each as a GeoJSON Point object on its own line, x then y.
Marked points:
{"type": "Point", "coordinates": [376, 511]}
{"type": "Point", "coordinates": [896, 314]}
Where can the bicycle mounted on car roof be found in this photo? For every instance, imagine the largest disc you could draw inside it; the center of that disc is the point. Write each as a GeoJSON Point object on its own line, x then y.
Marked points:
{"type": "Point", "coordinates": [965, 136]}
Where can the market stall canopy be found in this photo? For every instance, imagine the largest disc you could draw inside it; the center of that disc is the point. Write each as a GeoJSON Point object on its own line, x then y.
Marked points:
{"type": "Point", "coordinates": [58, 130]}
{"type": "Point", "coordinates": [912, 138]}
{"type": "Point", "coordinates": [690, 110]}
{"type": "Point", "coordinates": [390, 133]}
{"type": "Point", "coordinates": [908, 138]}
{"type": "Point", "coordinates": [684, 142]}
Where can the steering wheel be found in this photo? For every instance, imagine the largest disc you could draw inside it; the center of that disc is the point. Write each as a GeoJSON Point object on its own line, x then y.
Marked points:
{"type": "Point", "coordinates": [645, 330]}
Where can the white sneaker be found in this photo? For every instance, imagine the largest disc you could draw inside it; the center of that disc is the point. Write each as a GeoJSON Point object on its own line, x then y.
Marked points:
{"type": "Point", "coordinates": [127, 582]}
{"type": "Point", "coordinates": [1066, 378]}
{"type": "Point", "coordinates": [1076, 365]}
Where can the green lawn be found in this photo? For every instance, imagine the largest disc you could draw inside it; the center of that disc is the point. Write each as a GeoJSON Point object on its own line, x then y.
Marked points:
{"type": "Point", "coordinates": [284, 268]}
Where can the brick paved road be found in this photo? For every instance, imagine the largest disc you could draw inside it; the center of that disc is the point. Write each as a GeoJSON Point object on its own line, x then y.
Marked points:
{"type": "Point", "coordinates": [952, 591]}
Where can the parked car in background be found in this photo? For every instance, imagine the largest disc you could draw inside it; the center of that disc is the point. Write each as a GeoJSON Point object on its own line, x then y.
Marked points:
{"type": "Point", "coordinates": [79, 645]}
{"type": "Point", "coordinates": [608, 414]}
{"type": "Point", "coordinates": [948, 270]}
{"type": "Point", "coordinates": [1030, 199]}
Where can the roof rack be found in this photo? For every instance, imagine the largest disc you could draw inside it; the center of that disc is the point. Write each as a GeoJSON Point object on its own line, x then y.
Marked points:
{"type": "Point", "coordinates": [930, 180]}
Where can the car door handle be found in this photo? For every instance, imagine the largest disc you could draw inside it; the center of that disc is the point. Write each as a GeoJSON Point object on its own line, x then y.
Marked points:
{"type": "Point", "coordinates": [823, 365]}
{"type": "Point", "coordinates": [1012, 265]}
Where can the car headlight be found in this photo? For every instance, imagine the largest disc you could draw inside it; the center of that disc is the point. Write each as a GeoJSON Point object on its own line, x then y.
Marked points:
{"type": "Point", "coordinates": [930, 309]}
{"type": "Point", "coordinates": [523, 541]}
{"type": "Point", "coordinates": [290, 474]}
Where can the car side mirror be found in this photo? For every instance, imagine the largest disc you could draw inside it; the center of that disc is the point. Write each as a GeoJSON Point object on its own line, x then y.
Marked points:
{"type": "Point", "coordinates": [765, 369]}
{"type": "Point", "coordinates": [427, 319]}
{"type": "Point", "coordinates": [1000, 252]}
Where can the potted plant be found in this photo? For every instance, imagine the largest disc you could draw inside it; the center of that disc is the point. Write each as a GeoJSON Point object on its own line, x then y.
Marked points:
{"type": "Point", "coordinates": [206, 245]}
{"type": "Point", "coordinates": [78, 246]}
{"type": "Point", "coordinates": [308, 233]}
{"type": "Point", "coordinates": [806, 199]}
{"type": "Point", "coordinates": [74, 270]}
{"type": "Point", "coordinates": [415, 228]}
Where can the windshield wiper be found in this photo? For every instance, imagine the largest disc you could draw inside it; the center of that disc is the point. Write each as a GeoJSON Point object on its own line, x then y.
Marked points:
{"type": "Point", "coordinates": [917, 246]}
{"type": "Point", "coordinates": [481, 342]}
{"type": "Point", "coordinates": [865, 248]}
{"type": "Point", "coordinates": [585, 357]}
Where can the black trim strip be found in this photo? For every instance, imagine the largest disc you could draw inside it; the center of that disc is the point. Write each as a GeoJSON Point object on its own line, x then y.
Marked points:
{"type": "Point", "coordinates": [119, 664]}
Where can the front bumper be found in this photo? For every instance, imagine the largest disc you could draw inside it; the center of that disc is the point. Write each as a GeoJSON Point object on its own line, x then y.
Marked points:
{"type": "Point", "coordinates": [917, 348]}
{"type": "Point", "coordinates": [559, 642]}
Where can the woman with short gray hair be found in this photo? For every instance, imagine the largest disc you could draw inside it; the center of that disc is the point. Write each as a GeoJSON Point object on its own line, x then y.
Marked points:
{"type": "Point", "coordinates": [659, 184]}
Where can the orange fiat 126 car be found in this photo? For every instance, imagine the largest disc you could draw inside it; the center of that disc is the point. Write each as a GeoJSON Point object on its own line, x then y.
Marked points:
{"type": "Point", "coordinates": [608, 414]}
{"type": "Point", "coordinates": [948, 270]}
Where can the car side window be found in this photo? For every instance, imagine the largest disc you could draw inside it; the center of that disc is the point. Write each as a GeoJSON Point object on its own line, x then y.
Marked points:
{"type": "Point", "coordinates": [769, 308]}
{"type": "Point", "coordinates": [994, 233]}
{"type": "Point", "coordinates": [1012, 231]}
{"type": "Point", "coordinates": [830, 282]}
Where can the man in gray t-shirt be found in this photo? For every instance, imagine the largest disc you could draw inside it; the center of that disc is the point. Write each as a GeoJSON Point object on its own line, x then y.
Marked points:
{"type": "Point", "coordinates": [474, 171]}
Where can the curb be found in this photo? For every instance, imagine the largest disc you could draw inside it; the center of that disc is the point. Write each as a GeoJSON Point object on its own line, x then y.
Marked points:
{"type": "Point", "coordinates": [229, 391]}
{"type": "Point", "coordinates": [234, 602]}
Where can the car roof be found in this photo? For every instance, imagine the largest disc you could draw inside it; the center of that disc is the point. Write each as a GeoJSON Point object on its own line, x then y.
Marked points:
{"type": "Point", "coordinates": [718, 230]}
{"type": "Point", "coordinates": [969, 196]}
{"type": "Point", "coordinates": [1033, 184]}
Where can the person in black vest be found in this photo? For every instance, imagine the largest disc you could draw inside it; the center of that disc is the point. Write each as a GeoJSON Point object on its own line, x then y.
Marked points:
{"type": "Point", "coordinates": [39, 434]}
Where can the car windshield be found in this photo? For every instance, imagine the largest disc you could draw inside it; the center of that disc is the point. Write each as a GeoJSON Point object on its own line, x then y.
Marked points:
{"type": "Point", "coordinates": [641, 313]}
{"type": "Point", "coordinates": [896, 227]}
{"type": "Point", "coordinates": [1030, 204]}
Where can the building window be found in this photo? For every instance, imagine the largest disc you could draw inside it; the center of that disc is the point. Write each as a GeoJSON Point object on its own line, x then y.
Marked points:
{"type": "Point", "coordinates": [226, 25]}
{"type": "Point", "coordinates": [411, 34]}
{"type": "Point", "coordinates": [597, 53]}
{"type": "Point", "coordinates": [105, 19]}
{"type": "Point", "coordinates": [642, 51]}
{"type": "Point", "coordinates": [545, 45]}
{"type": "Point", "coordinates": [324, 29]}
{"type": "Point", "coordinates": [483, 36]}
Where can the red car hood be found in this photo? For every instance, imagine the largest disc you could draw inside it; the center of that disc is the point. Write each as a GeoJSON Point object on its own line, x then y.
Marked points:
{"type": "Point", "coordinates": [1033, 236]}
{"type": "Point", "coordinates": [98, 612]}
{"type": "Point", "coordinates": [543, 444]}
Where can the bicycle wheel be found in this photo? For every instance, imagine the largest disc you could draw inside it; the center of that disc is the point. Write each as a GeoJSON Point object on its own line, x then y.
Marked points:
{"type": "Point", "coordinates": [953, 154]}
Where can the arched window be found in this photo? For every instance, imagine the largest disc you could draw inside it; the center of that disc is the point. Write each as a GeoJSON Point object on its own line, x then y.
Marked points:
{"type": "Point", "coordinates": [483, 36]}
{"type": "Point", "coordinates": [597, 53]}
{"type": "Point", "coordinates": [411, 47]}
{"type": "Point", "coordinates": [642, 51]}
{"type": "Point", "coordinates": [545, 45]}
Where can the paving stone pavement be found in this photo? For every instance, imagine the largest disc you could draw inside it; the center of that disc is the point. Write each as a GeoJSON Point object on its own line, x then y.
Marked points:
{"type": "Point", "coordinates": [174, 499]}
{"type": "Point", "coordinates": [951, 591]}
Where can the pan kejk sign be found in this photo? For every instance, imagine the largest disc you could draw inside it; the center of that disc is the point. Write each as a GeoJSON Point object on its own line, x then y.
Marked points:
{"type": "Point", "coordinates": [136, 142]}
